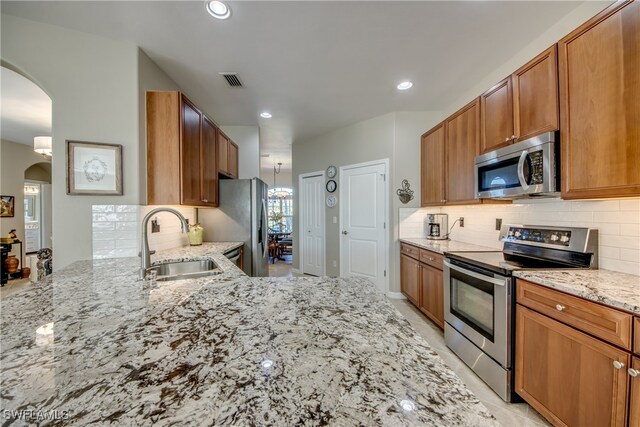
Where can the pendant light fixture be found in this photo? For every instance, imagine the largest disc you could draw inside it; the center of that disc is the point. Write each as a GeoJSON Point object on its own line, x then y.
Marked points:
{"type": "Point", "coordinates": [43, 145]}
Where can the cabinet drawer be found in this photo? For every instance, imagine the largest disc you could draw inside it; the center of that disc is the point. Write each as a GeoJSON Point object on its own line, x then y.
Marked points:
{"type": "Point", "coordinates": [636, 335]}
{"type": "Point", "coordinates": [412, 251]}
{"type": "Point", "coordinates": [434, 259]}
{"type": "Point", "coordinates": [611, 325]}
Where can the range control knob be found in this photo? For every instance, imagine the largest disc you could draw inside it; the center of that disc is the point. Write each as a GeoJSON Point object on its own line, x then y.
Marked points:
{"type": "Point", "coordinates": [518, 234]}
{"type": "Point", "coordinates": [554, 237]}
{"type": "Point", "coordinates": [564, 239]}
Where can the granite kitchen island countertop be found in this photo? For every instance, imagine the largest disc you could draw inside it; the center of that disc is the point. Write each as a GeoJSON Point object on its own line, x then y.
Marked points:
{"type": "Point", "coordinates": [93, 344]}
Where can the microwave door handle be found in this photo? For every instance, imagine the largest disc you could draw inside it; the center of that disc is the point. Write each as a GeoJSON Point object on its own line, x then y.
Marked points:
{"type": "Point", "coordinates": [499, 282]}
{"type": "Point", "coordinates": [521, 178]}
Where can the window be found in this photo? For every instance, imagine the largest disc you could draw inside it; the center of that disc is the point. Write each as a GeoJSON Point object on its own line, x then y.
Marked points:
{"type": "Point", "coordinates": [280, 210]}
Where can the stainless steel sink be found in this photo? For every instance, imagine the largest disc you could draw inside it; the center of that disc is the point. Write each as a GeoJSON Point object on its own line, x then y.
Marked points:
{"type": "Point", "coordinates": [179, 270]}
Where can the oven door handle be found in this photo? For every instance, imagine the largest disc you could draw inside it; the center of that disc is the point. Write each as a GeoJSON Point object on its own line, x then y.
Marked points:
{"type": "Point", "coordinates": [499, 282]}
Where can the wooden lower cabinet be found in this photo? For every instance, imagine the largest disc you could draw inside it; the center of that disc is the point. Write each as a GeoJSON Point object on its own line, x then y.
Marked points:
{"type": "Point", "coordinates": [422, 283]}
{"type": "Point", "coordinates": [634, 403]}
{"type": "Point", "coordinates": [431, 294]}
{"type": "Point", "coordinates": [410, 278]}
{"type": "Point", "coordinates": [568, 376]}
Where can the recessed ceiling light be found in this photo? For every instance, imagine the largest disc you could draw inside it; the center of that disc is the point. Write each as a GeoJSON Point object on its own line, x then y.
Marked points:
{"type": "Point", "coordinates": [405, 85]}
{"type": "Point", "coordinates": [218, 9]}
{"type": "Point", "coordinates": [265, 115]}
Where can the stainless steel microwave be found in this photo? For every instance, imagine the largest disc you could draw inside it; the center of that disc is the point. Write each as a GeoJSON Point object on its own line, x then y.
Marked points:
{"type": "Point", "coordinates": [525, 169]}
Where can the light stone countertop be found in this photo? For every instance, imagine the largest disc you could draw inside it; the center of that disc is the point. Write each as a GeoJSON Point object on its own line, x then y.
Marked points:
{"type": "Point", "coordinates": [611, 288]}
{"type": "Point", "coordinates": [97, 342]}
{"type": "Point", "coordinates": [442, 246]}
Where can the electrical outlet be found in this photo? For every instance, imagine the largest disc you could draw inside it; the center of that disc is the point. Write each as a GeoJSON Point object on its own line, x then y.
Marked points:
{"type": "Point", "coordinates": [498, 223]}
{"type": "Point", "coordinates": [461, 222]}
{"type": "Point", "coordinates": [335, 263]}
{"type": "Point", "coordinates": [155, 227]}
{"type": "Point", "coordinates": [335, 219]}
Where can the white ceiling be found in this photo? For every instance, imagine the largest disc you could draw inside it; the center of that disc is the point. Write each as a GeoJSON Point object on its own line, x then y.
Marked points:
{"type": "Point", "coordinates": [25, 110]}
{"type": "Point", "coordinates": [315, 65]}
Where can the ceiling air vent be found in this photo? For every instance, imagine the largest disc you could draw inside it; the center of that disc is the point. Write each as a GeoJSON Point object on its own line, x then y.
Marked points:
{"type": "Point", "coordinates": [232, 79]}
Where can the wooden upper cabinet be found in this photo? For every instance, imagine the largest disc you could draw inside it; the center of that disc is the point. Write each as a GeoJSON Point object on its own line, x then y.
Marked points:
{"type": "Point", "coordinates": [432, 167]}
{"type": "Point", "coordinates": [568, 376]}
{"type": "Point", "coordinates": [535, 96]}
{"type": "Point", "coordinates": [163, 148]}
{"type": "Point", "coordinates": [233, 159]}
{"type": "Point", "coordinates": [599, 105]}
{"type": "Point", "coordinates": [223, 153]}
{"type": "Point", "coordinates": [523, 105]}
{"type": "Point", "coordinates": [209, 163]}
{"type": "Point", "coordinates": [179, 144]}
{"type": "Point", "coordinates": [190, 149]}
{"type": "Point", "coordinates": [462, 131]}
{"type": "Point", "coordinates": [496, 111]}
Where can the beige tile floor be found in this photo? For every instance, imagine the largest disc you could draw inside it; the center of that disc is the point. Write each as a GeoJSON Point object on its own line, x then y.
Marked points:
{"type": "Point", "coordinates": [508, 414]}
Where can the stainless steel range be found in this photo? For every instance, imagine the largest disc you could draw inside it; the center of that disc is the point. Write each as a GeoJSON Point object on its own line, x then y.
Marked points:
{"type": "Point", "coordinates": [479, 293]}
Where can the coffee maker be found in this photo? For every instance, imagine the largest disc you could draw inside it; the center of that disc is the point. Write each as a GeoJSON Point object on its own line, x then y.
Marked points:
{"type": "Point", "coordinates": [437, 226]}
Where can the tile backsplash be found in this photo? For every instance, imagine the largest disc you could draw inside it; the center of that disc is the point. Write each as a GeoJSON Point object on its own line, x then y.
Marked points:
{"type": "Point", "coordinates": [116, 230]}
{"type": "Point", "coordinates": [617, 221]}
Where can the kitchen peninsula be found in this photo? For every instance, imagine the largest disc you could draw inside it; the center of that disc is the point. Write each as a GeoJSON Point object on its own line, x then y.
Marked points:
{"type": "Point", "coordinates": [95, 343]}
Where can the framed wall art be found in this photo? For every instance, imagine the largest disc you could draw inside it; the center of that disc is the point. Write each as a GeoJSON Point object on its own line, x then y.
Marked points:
{"type": "Point", "coordinates": [7, 206]}
{"type": "Point", "coordinates": [94, 168]}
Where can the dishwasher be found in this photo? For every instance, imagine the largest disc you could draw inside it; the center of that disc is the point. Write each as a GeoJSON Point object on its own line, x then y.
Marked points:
{"type": "Point", "coordinates": [235, 256]}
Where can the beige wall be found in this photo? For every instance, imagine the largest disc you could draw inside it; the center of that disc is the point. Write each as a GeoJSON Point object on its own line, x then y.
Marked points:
{"type": "Point", "coordinates": [15, 159]}
{"type": "Point", "coordinates": [394, 136]}
{"type": "Point", "coordinates": [93, 85]}
{"type": "Point", "coordinates": [364, 141]}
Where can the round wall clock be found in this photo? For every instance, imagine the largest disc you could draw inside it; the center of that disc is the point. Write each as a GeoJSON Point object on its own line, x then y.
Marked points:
{"type": "Point", "coordinates": [331, 186]}
{"type": "Point", "coordinates": [332, 171]}
{"type": "Point", "coordinates": [331, 201]}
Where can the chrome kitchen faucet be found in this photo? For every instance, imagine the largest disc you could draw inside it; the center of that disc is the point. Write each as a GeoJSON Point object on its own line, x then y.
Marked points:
{"type": "Point", "coordinates": [145, 254]}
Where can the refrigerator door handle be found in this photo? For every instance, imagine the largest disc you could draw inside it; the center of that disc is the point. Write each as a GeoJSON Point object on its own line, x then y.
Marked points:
{"type": "Point", "coordinates": [263, 229]}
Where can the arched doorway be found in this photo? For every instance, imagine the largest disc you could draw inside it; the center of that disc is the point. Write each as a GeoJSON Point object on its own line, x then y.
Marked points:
{"type": "Point", "coordinates": [37, 207]}
{"type": "Point", "coordinates": [26, 113]}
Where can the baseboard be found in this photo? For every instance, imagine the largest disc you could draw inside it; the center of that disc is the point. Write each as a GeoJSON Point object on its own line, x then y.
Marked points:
{"type": "Point", "coordinates": [396, 295]}
{"type": "Point", "coordinates": [296, 271]}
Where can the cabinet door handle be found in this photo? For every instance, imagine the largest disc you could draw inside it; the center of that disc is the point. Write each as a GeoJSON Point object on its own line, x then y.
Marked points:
{"type": "Point", "coordinates": [560, 307]}
{"type": "Point", "coordinates": [513, 137]}
{"type": "Point", "coordinates": [633, 372]}
{"type": "Point", "coordinates": [205, 200]}
{"type": "Point", "coordinates": [618, 365]}
{"type": "Point", "coordinates": [507, 139]}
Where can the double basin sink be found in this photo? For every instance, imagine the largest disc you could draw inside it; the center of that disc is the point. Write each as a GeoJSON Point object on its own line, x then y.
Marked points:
{"type": "Point", "coordinates": [178, 270]}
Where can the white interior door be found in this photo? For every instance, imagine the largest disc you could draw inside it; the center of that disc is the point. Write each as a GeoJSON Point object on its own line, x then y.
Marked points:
{"type": "Point", "coordinates": [312, 229]}
{"type": "Point", "coordinates": [363, 203]}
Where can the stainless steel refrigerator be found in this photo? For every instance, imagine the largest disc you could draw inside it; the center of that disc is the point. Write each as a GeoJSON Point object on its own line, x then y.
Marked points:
{"type": "Point", "coordinates": [241, 217]}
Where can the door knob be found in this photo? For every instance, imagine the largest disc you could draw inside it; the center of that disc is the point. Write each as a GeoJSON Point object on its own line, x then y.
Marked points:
{"type": "Point", "coordinates": [618, 365]}
{"type": "Point", "coordinates": [345, 232]}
